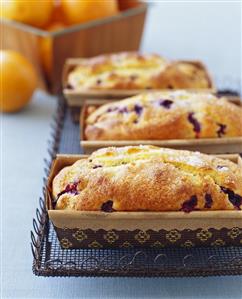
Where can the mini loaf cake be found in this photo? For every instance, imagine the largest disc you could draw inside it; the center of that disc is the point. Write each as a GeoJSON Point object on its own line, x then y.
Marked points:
{"type": "Point", "coordinates": [165, 115]}
{"type": "Point", "coordinates": [131, 70]}
{"type": "Point", "coordinates": [148, 178]}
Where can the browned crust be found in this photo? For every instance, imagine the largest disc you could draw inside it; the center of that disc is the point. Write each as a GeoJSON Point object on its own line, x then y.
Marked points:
{"type": "Point", "coordinates": [184, 74]}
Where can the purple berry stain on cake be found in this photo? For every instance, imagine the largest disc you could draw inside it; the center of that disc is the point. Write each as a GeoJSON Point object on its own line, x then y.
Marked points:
{"type": "Point", "coordinates": [138, 109]}
{"type": "Point", "coordinates": [208, 201]}
{"type": "Point", "coordinates": [195, 123]}
{"type": "Point", "coordinates": [166, 103]}
{"type": "Point", "coordinates": [234, 198]}
{"type": "Point", "coordinates": [222, 167]}
{"type": "Point", "coordinates": [107, 206]}
{"type": "Point", "coordinates": [112, 109]}
{"type": "Point", "coordinates": [97, 166]}
{"type": "Point", "coordinates": [120, 110]}
{"type": "Point", "coordinates": [190, 204]}
{"type": "Point", "coordinates": [221, 130]}
{"type": "Point", "coordinates": [123, 110]}
{"type": "Point", "coordinates": [70, 188]}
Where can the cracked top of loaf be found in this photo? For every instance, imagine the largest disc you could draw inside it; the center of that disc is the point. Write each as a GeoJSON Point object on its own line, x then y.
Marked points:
{"type": "Point", "coordinates": [131, 70]}
{"type": "Point", "coordinates": [165, 115]}
{"type": "Point", "coordinates": [148, 178]}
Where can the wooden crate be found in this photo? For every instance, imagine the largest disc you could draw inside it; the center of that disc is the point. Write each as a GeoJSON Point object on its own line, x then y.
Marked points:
{"type": "Point", "coordinates": [121, 32]}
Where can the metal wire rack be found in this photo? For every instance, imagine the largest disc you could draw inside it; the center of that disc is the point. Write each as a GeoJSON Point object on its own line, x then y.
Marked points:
{"type": "Point", "coordinates": [50, 260]}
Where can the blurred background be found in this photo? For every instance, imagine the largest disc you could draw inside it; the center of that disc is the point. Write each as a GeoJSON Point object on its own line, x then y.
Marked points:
{"type": "Point", "coordinates": [188, 30]}
{"type": "Point", "coordinates": [206, 30]}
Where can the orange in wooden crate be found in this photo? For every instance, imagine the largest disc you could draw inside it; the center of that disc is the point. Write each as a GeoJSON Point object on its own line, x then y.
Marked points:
{"type": "Point", "coordinates": [36, 13]}
{"type": "Point", "coordinates": [76, 12]}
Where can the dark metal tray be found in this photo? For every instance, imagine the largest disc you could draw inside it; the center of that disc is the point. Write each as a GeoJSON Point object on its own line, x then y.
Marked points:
{"type": "Point", "coordinates": [51, 260]}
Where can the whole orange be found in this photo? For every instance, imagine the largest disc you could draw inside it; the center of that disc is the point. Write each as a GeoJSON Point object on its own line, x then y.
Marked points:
{"type": "Point", "coordinates": [86, 10]}
{"type": "Point", "coordinates": [35, 12]}
{"type": "Point", "coordinates": [18, 81]}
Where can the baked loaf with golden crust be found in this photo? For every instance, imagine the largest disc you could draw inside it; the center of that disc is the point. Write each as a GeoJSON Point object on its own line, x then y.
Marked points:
{"type": "Point", "coordinates": [165, 115]}
{"type": "Point", "coordinates": [148, 178]}
{"type": "Point", "coordinates": [131, 70]}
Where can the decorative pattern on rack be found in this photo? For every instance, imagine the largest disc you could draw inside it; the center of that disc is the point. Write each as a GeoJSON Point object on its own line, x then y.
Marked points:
{"type": "Point", "coordinates": [50, 260]}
